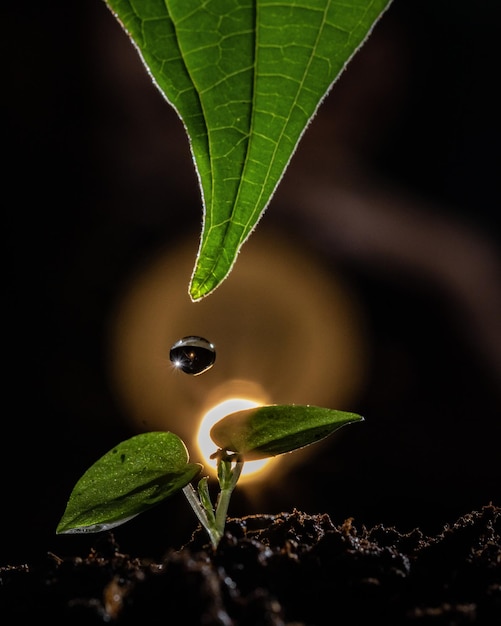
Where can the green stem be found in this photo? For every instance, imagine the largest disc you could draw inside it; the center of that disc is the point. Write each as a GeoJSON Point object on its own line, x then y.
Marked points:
{"type": "Point", "coordinates": [192, 497]}
{"type": "Point", "coordinates": [228, 475]}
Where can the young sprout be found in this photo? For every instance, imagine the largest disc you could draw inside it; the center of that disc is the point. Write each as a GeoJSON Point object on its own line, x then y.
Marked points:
{"type": "Point", "coordinates": [144, 470]}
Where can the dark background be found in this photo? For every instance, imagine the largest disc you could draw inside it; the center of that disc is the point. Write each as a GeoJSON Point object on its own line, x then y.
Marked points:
{"type": "Point", "coordinates": [97, 176]}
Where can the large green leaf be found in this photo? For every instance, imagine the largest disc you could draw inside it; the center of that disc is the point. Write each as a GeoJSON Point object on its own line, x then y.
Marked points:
{"type": "Point", "coordinates": [276, 429]}
{"type": "Point", "coordinates": [246, 77]}
{"type": "Point", "coordinates": [129, 479]}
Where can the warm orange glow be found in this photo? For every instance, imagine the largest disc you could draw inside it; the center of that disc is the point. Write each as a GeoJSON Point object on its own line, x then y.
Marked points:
{"type": "Point", "coordinates": [207, 446]}
{"type": "Point", "coordinates": [286, 331]}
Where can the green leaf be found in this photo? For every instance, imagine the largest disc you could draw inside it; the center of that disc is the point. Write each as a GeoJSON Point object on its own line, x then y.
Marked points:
{"type": "Point", "coordinates": [271, 430]}
{"type": "Point", "coordinates": [246, 77]}
{"type": "Point", "coordinates": [129, 479]}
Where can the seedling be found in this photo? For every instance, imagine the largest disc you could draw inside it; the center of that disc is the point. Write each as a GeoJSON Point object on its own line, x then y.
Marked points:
{"type": "Point", "coordinates": [144, 470]}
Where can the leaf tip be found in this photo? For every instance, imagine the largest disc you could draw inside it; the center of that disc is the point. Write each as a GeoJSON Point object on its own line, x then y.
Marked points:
{"type": "Point", "coordinates": [199, 289]}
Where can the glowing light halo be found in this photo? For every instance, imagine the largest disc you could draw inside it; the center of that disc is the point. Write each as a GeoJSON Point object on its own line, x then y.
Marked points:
{"type": "Point", "coordinates": [207, 446]}
{"type": "Point", "coordinates": [260, 322]}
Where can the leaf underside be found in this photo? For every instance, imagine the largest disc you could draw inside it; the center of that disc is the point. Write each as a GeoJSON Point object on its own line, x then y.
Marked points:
{"type": "Point", "coordinates": [246, 77]}
{"type": "Point", "coordinates": [268, 431]}
{"type": "Point", "coordinates": [132, 477]}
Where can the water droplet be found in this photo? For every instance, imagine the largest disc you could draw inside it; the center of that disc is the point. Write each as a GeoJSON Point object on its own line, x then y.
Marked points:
{"type": "Point", "coordinates": [193, 355]}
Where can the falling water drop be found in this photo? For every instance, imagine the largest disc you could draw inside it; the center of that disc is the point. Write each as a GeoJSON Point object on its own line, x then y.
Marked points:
{"type": "Point", "coordinates": [193, 355]}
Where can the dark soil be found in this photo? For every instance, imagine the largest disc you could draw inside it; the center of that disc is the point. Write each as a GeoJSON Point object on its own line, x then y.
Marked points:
{"type": "Point", "coordinates": [286, 569]}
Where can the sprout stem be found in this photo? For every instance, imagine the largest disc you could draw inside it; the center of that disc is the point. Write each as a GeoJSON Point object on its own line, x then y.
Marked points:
{"type": "Point", "coordinates": [228, 473]}
{"type": "Point", "coordinates": [192, 497]}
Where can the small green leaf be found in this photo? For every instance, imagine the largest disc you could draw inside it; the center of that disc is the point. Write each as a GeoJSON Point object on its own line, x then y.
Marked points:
{"type": "Point", "coordinates": [129, 479]}
{"type": "Point", "coordinates": [246, 77]}
{"type": "Point", "coordinates": [271, 430]}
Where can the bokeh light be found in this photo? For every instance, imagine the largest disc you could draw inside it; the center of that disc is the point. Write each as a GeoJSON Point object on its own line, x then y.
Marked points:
{"type": "Point", "coordinates": [285, 331]}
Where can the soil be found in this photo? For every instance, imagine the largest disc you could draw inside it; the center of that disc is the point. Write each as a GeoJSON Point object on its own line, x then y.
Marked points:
{"type": "Point", "coordinates": [274, 570]}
